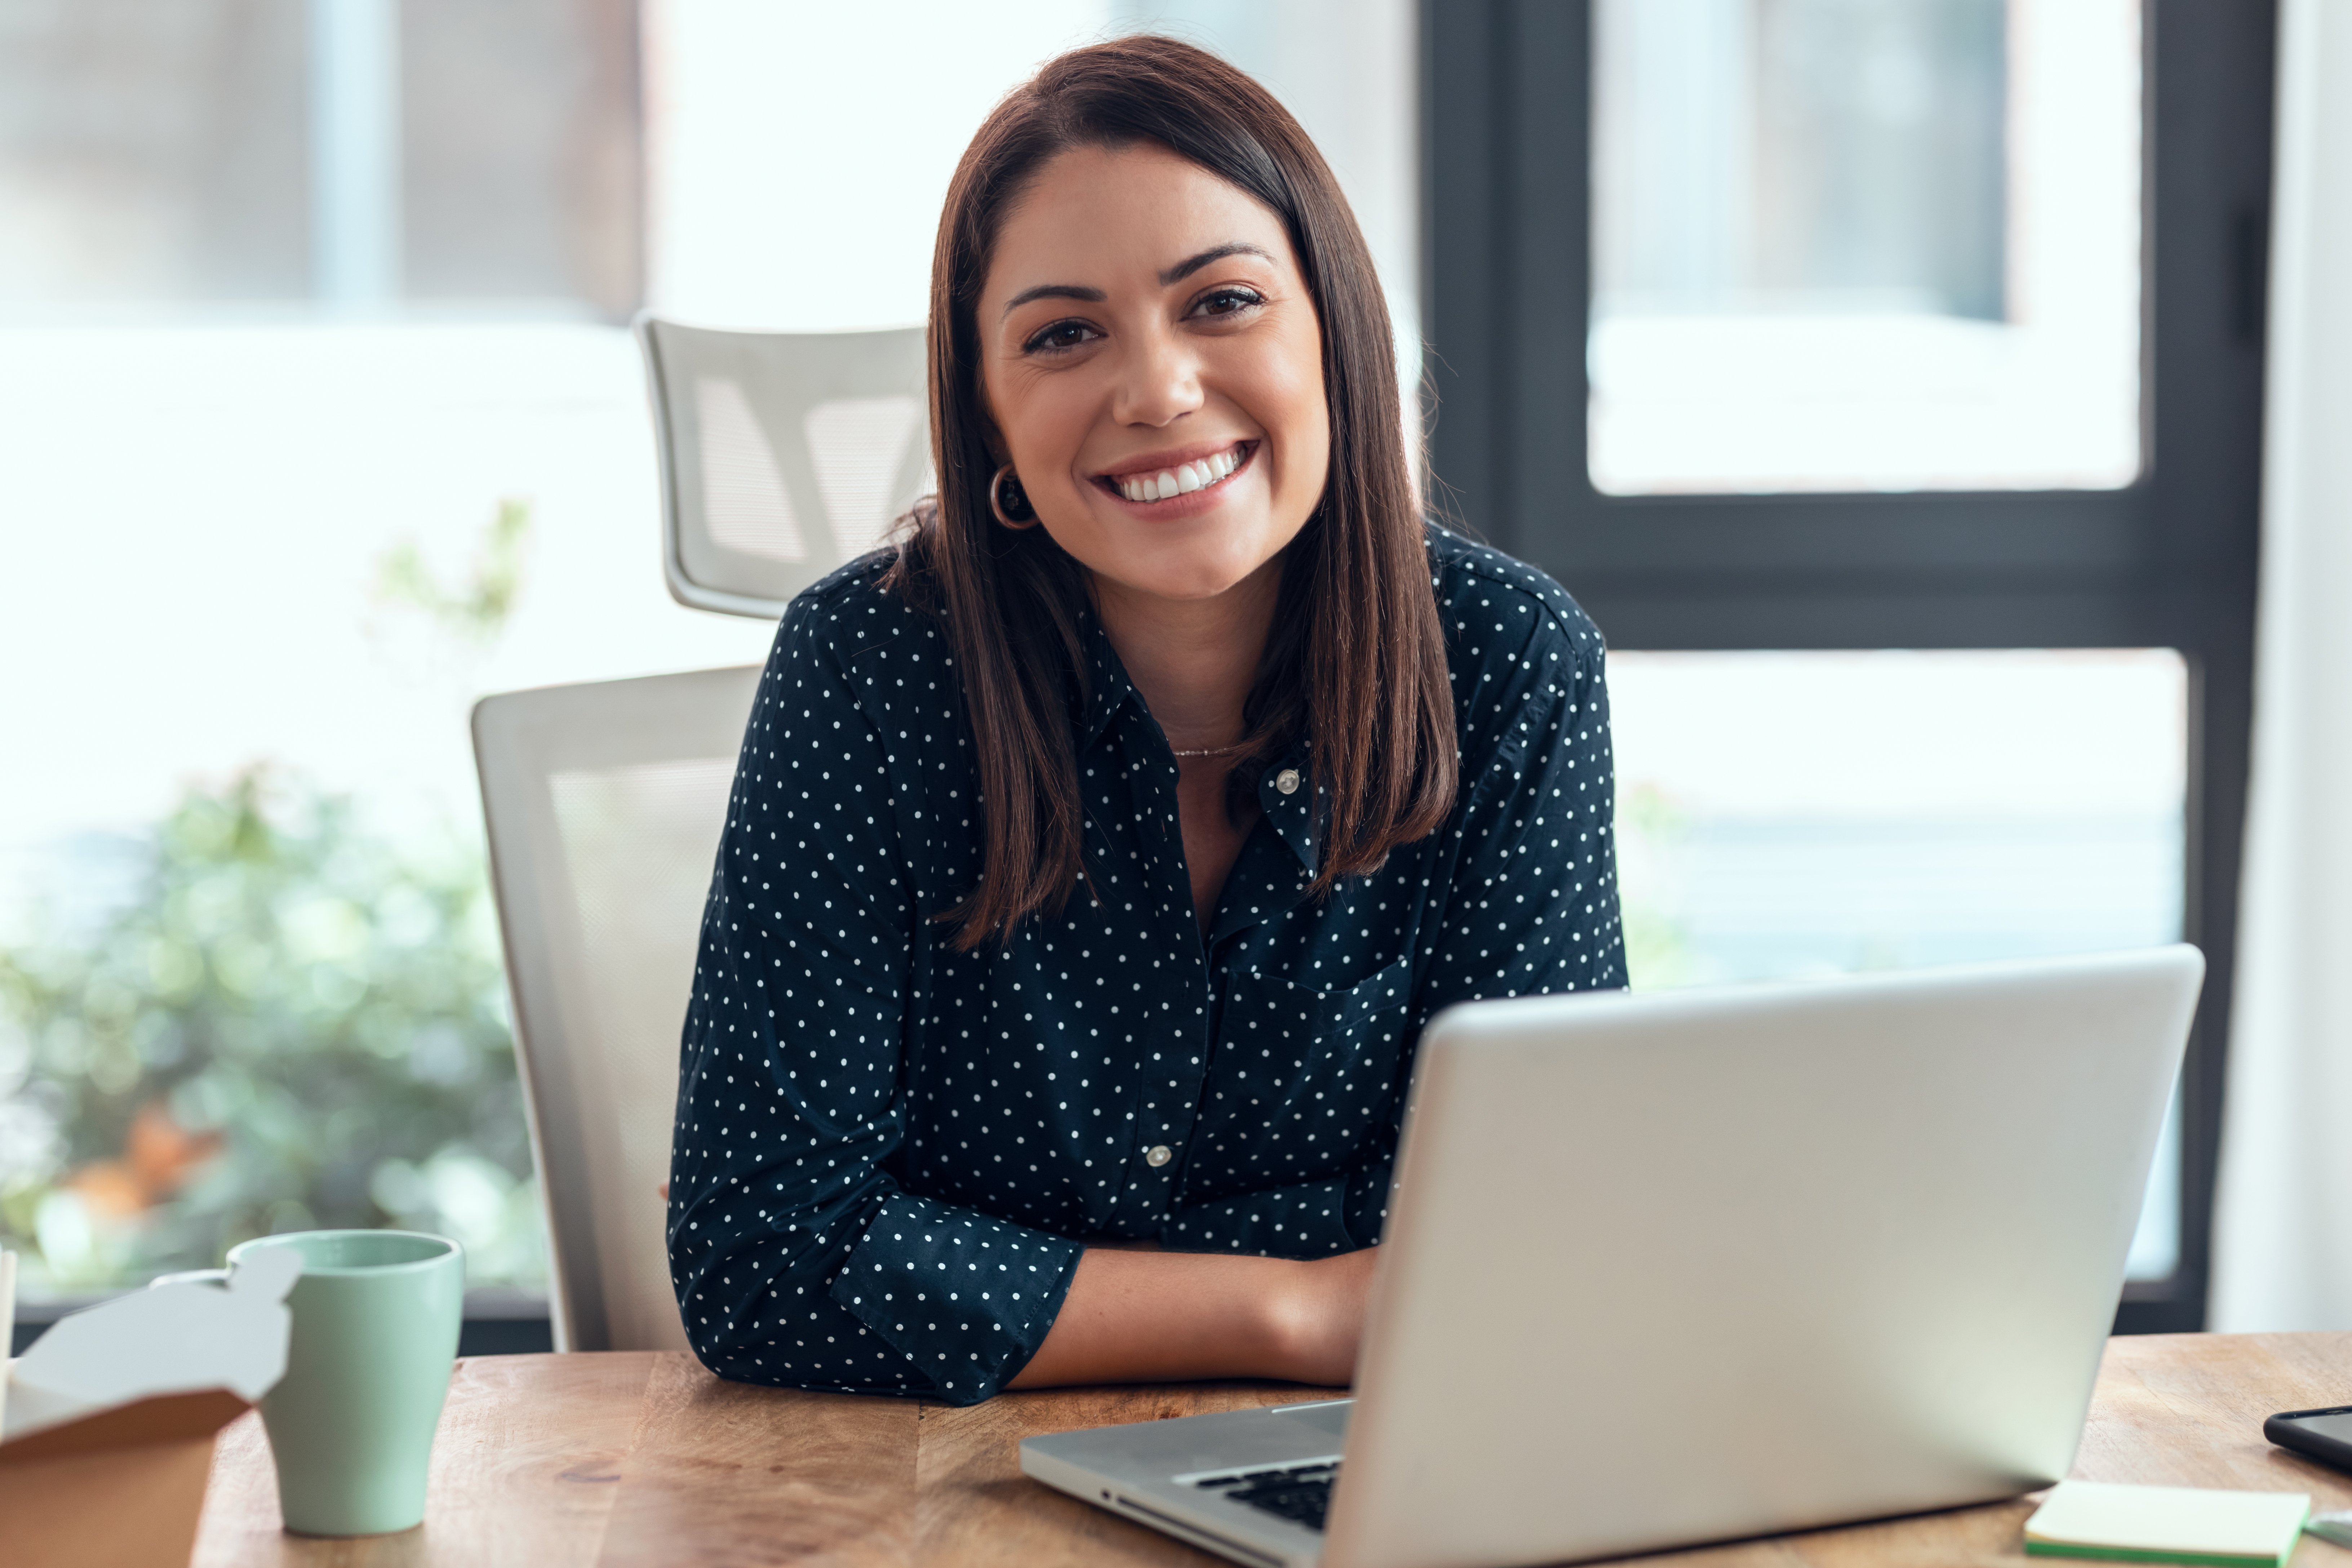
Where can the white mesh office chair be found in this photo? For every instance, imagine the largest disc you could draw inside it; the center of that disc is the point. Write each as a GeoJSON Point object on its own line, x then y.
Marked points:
{"type": "Point", "coordinates": [783, 454]}
{"type": "Point", "coordinates": [604, 804]}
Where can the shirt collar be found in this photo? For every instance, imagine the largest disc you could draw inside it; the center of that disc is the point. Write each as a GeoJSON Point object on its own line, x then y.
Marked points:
{"type": "Point", "coordinates": [1108, 689]}
{"type": "Point", "coordinates": [1291, 813]}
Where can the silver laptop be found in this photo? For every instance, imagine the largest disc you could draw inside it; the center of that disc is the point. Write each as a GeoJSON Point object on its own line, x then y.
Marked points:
{"type": "Point", "coordinates": [1687, 1267]}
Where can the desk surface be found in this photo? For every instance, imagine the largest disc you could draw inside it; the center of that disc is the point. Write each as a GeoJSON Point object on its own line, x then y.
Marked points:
{"type": "Point", "coordinates": [629, 1458]}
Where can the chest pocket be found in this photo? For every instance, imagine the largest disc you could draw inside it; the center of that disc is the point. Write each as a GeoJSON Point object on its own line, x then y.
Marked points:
{"type": "Point", "coordinates": [1310, 1073]}
{"type": "Point", "coordinates": [1302, 1077]}
{"type": "Point", "coordinates": [1269, 1012]}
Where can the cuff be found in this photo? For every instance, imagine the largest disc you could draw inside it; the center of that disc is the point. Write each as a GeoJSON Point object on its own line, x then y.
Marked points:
{"type": "Point", "coordinates": [966, 1298]}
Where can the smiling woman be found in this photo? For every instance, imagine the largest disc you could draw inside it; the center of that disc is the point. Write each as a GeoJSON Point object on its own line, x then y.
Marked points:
{"type": "Point", "coordinates": [1172, 424]}
{"type": "Point", "coordinates": [1098, 853]}
{"type": "Point", "coordinates": [1143, 263]}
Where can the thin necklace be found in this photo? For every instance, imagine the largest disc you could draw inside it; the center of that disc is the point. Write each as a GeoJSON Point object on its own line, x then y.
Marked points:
{"type": "Point", "coordinates": [1217, 751]}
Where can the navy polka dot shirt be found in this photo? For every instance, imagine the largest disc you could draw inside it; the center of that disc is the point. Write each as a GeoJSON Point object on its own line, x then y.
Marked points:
{"type": "Point", "coordinates": [885, 1149]}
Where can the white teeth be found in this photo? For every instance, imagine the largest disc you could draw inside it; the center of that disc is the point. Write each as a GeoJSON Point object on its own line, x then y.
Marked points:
{"type": "Point", "coordinates": [1182, 480]}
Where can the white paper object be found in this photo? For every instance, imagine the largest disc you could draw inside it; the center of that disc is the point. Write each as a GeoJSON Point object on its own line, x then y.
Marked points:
{"type": "Point", "coordinates": [178, 1336]}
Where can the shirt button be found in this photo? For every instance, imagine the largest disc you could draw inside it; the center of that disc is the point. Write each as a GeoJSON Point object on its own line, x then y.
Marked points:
{"type": "Point", "coordinates": [1286, 781]}
{"type": "Point", "coordinates": [1158, 1154]}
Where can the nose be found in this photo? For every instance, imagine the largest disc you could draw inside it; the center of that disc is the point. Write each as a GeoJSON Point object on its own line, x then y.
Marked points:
{"type": "Point", "coordinates": [1159, 380]}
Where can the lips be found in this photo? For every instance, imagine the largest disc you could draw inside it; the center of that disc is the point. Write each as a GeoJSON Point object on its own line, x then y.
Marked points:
{"type": "Point", "coordinates": [1181, 479]}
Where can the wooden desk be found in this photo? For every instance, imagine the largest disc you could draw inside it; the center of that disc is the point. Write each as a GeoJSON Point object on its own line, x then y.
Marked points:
{"type": "Point", "coordinates": [631, 1458]}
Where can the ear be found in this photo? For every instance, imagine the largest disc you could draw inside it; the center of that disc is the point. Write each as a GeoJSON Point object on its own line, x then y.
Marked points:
{"type": "Point", "coordinates": [999, 454]}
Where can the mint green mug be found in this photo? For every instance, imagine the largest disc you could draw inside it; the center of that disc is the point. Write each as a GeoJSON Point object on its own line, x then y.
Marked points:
{"type": "Point", "coordinates": [376, 1315]}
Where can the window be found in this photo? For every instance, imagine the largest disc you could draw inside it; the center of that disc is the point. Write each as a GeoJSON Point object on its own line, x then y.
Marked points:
{"type": "Point", "coordinates": [321, 427]}
{"type": "Point", "coordinates": [359, 153]}
{"type": "Point", "coordinates": [1846, 245]}
{"type": "Point", "coordinates": [1693, 269]}
{"type": "Point", "coordinates": [1817, 813]}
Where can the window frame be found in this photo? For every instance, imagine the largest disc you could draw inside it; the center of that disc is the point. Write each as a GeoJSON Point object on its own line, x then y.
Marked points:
{"type": "Point", "coordinates": [2170, 561]}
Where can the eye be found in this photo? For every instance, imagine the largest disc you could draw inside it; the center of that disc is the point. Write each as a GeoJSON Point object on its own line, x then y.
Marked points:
{"type": "Point", "coordinates": [1059, 337]}
{"type": "Point", "coordinates": [1229, 300]}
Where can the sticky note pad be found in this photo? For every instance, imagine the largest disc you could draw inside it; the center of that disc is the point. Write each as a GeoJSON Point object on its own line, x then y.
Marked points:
{"type": "Point", "coordinates": [2168, 1524]}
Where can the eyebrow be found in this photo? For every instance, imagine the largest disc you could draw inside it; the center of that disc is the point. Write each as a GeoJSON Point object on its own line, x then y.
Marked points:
{"type": "Point", "coordinates": [1176, 274]}
{"type": "Point", "coordinates": [1054, 291]}
{"type": "Point", "coordinates": [1192, 264]}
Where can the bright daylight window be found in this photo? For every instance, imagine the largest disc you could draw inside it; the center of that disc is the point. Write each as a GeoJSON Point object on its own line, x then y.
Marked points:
{"type": "Point", "coordinates": [317, 427]}
{"type": "Point", "coordinates": [1866, 245]}
{"type": "Point", "coordinates": [1792, 814]}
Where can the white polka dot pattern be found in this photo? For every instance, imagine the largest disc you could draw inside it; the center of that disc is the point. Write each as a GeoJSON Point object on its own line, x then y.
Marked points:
{"type": "Point", "coordinates": [885, 1149]}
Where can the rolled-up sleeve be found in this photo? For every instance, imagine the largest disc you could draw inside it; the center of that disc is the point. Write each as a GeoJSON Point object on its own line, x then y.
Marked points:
{"type": "Point", "coordinates": [797, 1258]}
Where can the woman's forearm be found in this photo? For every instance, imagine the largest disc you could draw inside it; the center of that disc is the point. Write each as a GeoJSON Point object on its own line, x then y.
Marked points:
{"type": "Point", "coordinates": [1173, 1317]}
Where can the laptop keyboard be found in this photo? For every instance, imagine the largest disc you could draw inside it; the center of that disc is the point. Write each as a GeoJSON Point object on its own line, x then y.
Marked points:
{"type": "Point", "coordinates": [1301, 1492]}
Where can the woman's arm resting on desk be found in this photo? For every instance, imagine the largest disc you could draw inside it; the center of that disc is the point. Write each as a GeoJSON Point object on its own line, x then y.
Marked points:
{"type": "Point", "coordinates": [1140, 1316]}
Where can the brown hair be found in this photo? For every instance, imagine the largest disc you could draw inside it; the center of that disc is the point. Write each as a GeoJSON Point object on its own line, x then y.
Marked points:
{"type": "Point", "coordinates": [1355, 663]}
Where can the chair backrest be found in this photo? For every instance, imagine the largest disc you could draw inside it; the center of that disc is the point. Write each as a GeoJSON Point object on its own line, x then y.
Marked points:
{"type": "Point", "coordinates": [604, 804]}
{"type": "Point", "coordinates": [784, 454]}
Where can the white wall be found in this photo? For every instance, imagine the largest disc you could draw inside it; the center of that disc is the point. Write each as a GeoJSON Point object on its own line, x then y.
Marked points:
{"type": "Point", "coordinates": [2282, 1220]}
{"type": "Point", "coordinates": [800, 152]}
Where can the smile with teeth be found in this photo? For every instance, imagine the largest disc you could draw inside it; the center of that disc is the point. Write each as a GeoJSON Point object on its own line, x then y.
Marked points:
{"type": "Point", "coordinates": [1183, 478]}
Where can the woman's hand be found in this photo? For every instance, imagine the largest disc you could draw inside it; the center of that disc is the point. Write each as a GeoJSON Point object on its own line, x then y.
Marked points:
{"type": "Point", "coordinates": [1148, 1316]}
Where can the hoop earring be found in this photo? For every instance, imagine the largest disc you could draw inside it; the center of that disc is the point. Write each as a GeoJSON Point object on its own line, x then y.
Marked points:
{"type": "Point", "coordinates": [1008, 501]}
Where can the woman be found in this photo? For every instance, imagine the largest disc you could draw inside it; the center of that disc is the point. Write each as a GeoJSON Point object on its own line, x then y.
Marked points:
{"type": "Point", "coordinates": [1097, 854]}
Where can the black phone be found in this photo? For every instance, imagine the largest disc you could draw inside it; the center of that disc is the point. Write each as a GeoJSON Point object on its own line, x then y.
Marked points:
{"type": "Point", "coordinates": [2324, 1435]}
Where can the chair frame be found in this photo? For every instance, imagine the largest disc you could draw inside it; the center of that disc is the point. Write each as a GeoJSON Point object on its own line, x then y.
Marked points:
{"type": "Point", "coordinates": [521, 740]}
{"type": "Point", "coordinates": [683, 586]}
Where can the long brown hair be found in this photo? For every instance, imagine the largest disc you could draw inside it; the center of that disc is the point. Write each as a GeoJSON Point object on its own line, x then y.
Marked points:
{"type": "Point", "coordinates": [1355, 663]}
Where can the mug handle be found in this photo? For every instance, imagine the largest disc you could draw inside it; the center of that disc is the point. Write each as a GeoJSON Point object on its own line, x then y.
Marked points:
{"type": "Point", "coordinates": [192, 1277]}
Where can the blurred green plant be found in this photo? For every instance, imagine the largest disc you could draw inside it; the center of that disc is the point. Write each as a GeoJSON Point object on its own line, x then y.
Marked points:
{"type": "Point", "coordinates": [479, 609]}
{"type": "Point", "coordinates": [290, 1022]}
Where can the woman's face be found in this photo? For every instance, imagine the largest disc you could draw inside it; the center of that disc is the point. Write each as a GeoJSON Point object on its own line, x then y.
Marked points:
{"type": "Point", "coordinates": [1155, 368]}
